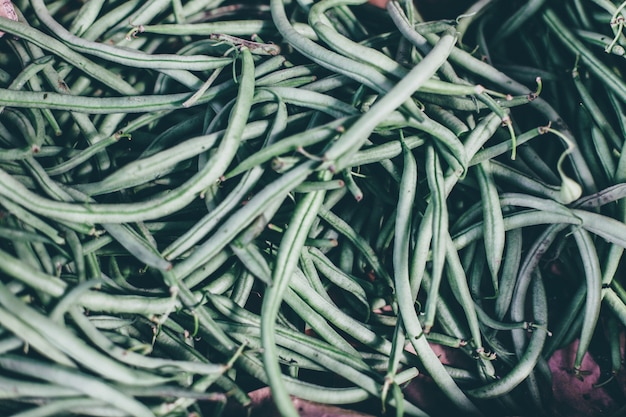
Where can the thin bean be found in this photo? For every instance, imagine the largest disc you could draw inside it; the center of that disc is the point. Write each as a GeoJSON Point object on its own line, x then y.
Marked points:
{"type": "Point", "coordinates": [439, 232]}
{"type": "Point", "coordinates": [353, 138]}
{"type": "Point", "coordinates": [29, 335]}
{"type": "Point", "coordinates": [568, 322]}
{"type": "Point", "coordinates": [14, 388]}
{"type": "Point", "coordinates": [458, 283]}
{"type": "Point", "coordinates": [30, 71]}
{"type": "Point", "coordinates": [24, 31]}
{"type": "Point", "coordinates": [337, 317]}
{"type": "Point", "coordinates": [156, 165]}
{"type": "Point", "coordinates": [253, 259]}
{"type": "Point", "coordinates": [571, 42]}
{"type": "Point", "coordinates": [352, 285]}
{"type": "Point", "coordinates": [430, 362]}
{"type": "Point", "coordinates": [27, 218]}
{"type": "Point", "coordinates": [139, 360]}
{"type": "Point", "coordinates": [593, 278]}
{"type": "Point", "coordinates": [138, 245]}
{"type": "Point", "coordinates": [530, 357]}
{"type": "Point", "coordinates": [170, 202]}
{"type": "Point", "coordinates": [74, 347]}
{"type": "Point", "coordinates": [98, 105]}
{"type": "Point", "coordinates": [510, 268]}
{"type": "Point", "coordinates": [232, 27]}
{"type": "Point", "coordinates": [486, 71]}
{"type": "Point", "coordinates": [96, 407]}
{"type": "Point", "coordinates": [88, 385]}
{"type": "Point", "coordinates": [23, 125]}
{"type": "Point", "coordinates": [83, 156]}
{"type": "Point", "coordinates": [517, 20]}
{"type": "Point", "coordinates": [494, 236]}
{"type": "Point", "coordinates": [345, 229]}
{"type": "Point", "coordinates": [291, 243]}
{"type": "Point", "coordinates": [594, 111]}
{"type": "Point", "coordinates": [305, 98]}
{"type": "Point", "coordinates": [86, 16]}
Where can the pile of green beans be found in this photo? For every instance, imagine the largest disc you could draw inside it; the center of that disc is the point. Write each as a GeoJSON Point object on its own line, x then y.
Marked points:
{"type": "Point", "coordinates": [202, 198]}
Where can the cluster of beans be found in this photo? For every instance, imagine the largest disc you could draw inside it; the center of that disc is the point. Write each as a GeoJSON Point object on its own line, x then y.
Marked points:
{"type": "Point", "coordinates": [200, 198]}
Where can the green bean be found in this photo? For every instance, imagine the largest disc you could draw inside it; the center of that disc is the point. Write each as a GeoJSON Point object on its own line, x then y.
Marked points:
{"type": "Point", "coordinates": [521, 16]}
{"type": "Point", "coordinates": [448, 119]}
{"type": "Point", "coordinates": [604, 152]}
{"type": "Point", "coordinates": [311, 99]}
{"type": "Point", "coordinates": [434, 367]}
{"type": "Point", "coordinates": [420, 253]}
{"type": "Point", "coordinates": [34, 222]}
{"type": "Point", "coordinates": [384, 151]}
{"type": "Point", "coordinates": [286, 74]}
{"type": "Point", "coordinates": [288, 144]}
{"type": "Point", "coordinates": [208, 222]}
{"type": "Point", "coordinates": [33, 277]}
{"type": "Point", "coordinates": [401, 241]}
{"type": "Point", "coordinates": [353, 50]}
{"type": "Point", "coordinates": [83, 156]}
{"type": "Point", "coordinates": [614, 303]}
{"type": "Point", "coordinates": [528, 360]}
{"type": "Point", "coordinates": [13, 388]}
{"type": "Point", "coordinates": [594, 111]}
{"type": "Point", "coordinates": [74, 347]}
{"type": "Point", "coordinates": [333, 359]}
{"type": "Point", "coordinates": [530, 157]}
{"type": "Point", "coordinates": [310, 272]}
{"type": "Point", "coordinates": [135, 359]}
{"type": "Point", "coordinates": [232, 27]}
{"type": "Point", "coordinates": [568, 323]}
{"type": "Point", "coordinates": [364, 74]}
{"type": "Point", "coordinates": [44, 41]}
{"type": "Point", "coordinates": [497, 325]}
{"type": "Point", "coordinates": [459, 286]}
{"type": "Point", "coordinates": [352, 285]}
{"type": "Point", "coordinates": [439, 231]}
{"type": "Point", "coordinates": [206, 269]}
{"type": "Point", "coordinates": [96, 105]}
{"type": "Point", "coordinates": [170, 202]}
{"type": "Point", "coordinates": [23, 124]}
{"type": "Point", "coordinates": [33, 338]}
{"type": "Point", "coordinates": [252, 258]}
{"type": "Point", "coordinates": [593, 279]}
{"type": "Point", "coordinates": [570, 41]}
{"type": "Point", "coordinates": [136, 244]}
{"type": "Point", "coordinates": [342, 227]}
{"type": "Point", "coordinates": [353, 138]}
{"type": "Point", "coordinates": [319, 324]}
{"type": "Point", "coordinates": [510, 268]}
{"type": "Point", "coordinates": [304, 215]}
{"type": "Point", "coordinates": [87, 15]}
{"type": "Point", "coordinates": [494, 236]}
{"type": "Point", "coordinates": [10, 233]}
{"type": "Point", "coordinates": [525, 182]}
{"type": "Point", "coordinates": [253, 208]}
{"type": "Point", "coordinates": [486, 71]}
{"type": "Point", "coordinates": [10, 343]}
{"type": "Point", "coordinates": [30, 71]}
{"type": "Point", "coordinates": [95, 406]}
{"type": "Point", "coordinates": [311, 186]}
{"type": "Point", "coordinates": [88, 385]}
{"type": "Point", "coordinates": [337, 317]}
{"type": "Point", "coordinates": [152, 167]}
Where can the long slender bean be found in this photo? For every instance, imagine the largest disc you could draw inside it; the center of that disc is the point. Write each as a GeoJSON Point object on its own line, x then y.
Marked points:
{"type": "Point", "coordinates": [302, 220]}
{"type": "Point", "coordinates": [88, 385]}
